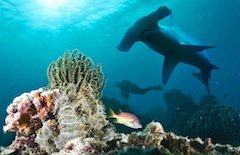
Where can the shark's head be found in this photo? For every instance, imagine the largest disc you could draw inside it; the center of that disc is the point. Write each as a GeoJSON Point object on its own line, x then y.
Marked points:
{"type": "Point", "coordinates": [163, 12]}
{"type": "Point", "coordinates": [130, 37]}
{"type": "Point", "coordinates": [134, 33]}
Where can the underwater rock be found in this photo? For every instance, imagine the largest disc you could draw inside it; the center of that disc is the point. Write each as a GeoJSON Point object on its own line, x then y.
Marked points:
{"type": "Point", "coordinates": [180, 108]}
{"type": "Point", "coordinates": [140, 151]}
{"type": "Point", "coordinates": [220, 122]}
{"type": "Point", "coordinates": [153, 140]}
{"type": "Point", "coordinates": [81, 146]}
{"type": "Point", "coordinates": [208, 99]}
{"type": "Point", "coordinates": [7, 150]}
{"type": "Point", "coordinates": [177, 101]}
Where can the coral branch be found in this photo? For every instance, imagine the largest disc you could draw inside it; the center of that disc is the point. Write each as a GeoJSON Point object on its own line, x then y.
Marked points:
{"type": "Point", "coordinates": [79, 70]}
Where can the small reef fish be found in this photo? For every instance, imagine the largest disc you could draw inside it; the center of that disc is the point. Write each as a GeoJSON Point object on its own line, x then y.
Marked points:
{"type": "Point", "coordinates": [126, 119]}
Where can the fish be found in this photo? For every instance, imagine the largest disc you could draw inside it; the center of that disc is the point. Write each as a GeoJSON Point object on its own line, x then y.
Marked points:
{"type": "Point", "coordinates": [176, 46]}
{"type": "Point", "coordinates": [125, 118]}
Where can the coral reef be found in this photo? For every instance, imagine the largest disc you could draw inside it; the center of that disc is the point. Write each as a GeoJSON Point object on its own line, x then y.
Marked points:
{"type": "Point", "coordinates": [26, 114]}
{"type": "Point", "coordinates": [68, 117]}
{"type": "Point", "coordinates": [185, 117]}
{"type": "Point", "coordinates": [82, 147]}
{"type": "Point", "coordinates": [179, 108]}
{"type": "Point", "coordinates": [208, 100]}
{"type": "Point", "coordinates": [79, 70]}
{"type": "Point", "coordinates": [76, 116]}
{"type": "Point", "coordinates": [152, 140]}
{"type": "Point", "coordinates": [45, 120]}
{"type": "Point", "coordinates": [220, 122]}
{"type": "Point", "coordinates": [28, 110]}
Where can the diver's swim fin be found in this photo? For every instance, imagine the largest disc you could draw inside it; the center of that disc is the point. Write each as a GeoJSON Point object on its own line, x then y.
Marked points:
{"type": "Point", "coordinates": [159, 87]}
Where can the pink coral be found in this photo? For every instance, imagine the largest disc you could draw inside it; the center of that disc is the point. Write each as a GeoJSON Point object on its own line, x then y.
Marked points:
{"type": "Point", "coordinates": [28, 107]}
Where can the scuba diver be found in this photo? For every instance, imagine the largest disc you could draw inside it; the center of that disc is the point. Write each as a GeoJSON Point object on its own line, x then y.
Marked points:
{"type": "Point", "coordinates": [126, 87]}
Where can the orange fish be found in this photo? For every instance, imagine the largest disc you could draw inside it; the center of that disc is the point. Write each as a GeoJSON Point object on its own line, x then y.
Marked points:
{"type": "Point", "coordinates": [126, 119]}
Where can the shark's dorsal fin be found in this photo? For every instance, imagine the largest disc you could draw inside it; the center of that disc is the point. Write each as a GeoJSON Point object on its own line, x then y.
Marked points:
{"type": "Point", "coordinates": [168, 67]}
{"type": "Point", "coordinates": [194, 48]}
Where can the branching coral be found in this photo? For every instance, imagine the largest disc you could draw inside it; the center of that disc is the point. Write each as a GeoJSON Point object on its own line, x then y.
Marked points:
{"type": "Point", "coordinates": [79, 70]}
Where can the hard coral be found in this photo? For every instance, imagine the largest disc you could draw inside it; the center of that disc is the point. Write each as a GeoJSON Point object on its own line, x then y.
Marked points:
{"type": "Point", "coordinates": [217, 121]}
{"type": "Point", "coordinates": [81, 146]}
{"type": "Point", "coordinates": [51, 118]}
{"type": "Point", "coordinates": [28, 110]}
{"type": "Point", "coordinates": [155, 142]}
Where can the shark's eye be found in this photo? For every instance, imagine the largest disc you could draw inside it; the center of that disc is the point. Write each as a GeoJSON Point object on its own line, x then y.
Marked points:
{"type": "Point", "coordinates": [164, 7]}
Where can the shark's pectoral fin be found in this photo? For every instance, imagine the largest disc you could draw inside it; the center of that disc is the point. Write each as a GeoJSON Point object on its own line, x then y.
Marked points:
{"type": "Point", "coordinates": [168, 67]}
{"type": "Point", "coordinates": [194, 48]}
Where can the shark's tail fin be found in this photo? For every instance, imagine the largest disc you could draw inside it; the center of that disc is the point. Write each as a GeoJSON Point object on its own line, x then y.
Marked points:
{"type": "Point", "coordinates": [205, 75]}
{"type": "Point", "coordinates": [206, 71]}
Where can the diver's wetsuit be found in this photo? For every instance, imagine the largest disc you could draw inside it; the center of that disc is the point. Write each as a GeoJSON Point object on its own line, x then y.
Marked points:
{"type": "Point", "coordinates": [126, 87]}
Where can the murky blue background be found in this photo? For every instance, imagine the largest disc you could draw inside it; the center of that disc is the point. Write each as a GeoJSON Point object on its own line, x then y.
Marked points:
{"type": "Point", "coordinates": [34, 33]}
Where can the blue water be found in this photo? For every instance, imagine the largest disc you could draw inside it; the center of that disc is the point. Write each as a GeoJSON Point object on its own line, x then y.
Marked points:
{"type": "Point", "coordinates": [34, 33]}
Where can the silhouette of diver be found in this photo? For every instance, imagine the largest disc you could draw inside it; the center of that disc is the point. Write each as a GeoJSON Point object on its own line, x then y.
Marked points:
{"type": "Point", "coordinates": [126, 87]}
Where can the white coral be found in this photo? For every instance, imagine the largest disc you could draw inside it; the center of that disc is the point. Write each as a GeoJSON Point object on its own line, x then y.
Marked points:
{"type": "Point", "coordinates": [44, 137]}
{"type": "Point", "coordinates": [76, 116]}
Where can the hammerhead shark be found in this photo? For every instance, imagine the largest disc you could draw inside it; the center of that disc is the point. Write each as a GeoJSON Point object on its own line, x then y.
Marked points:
{"type": "Point", "coordinates": [169, 42]}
